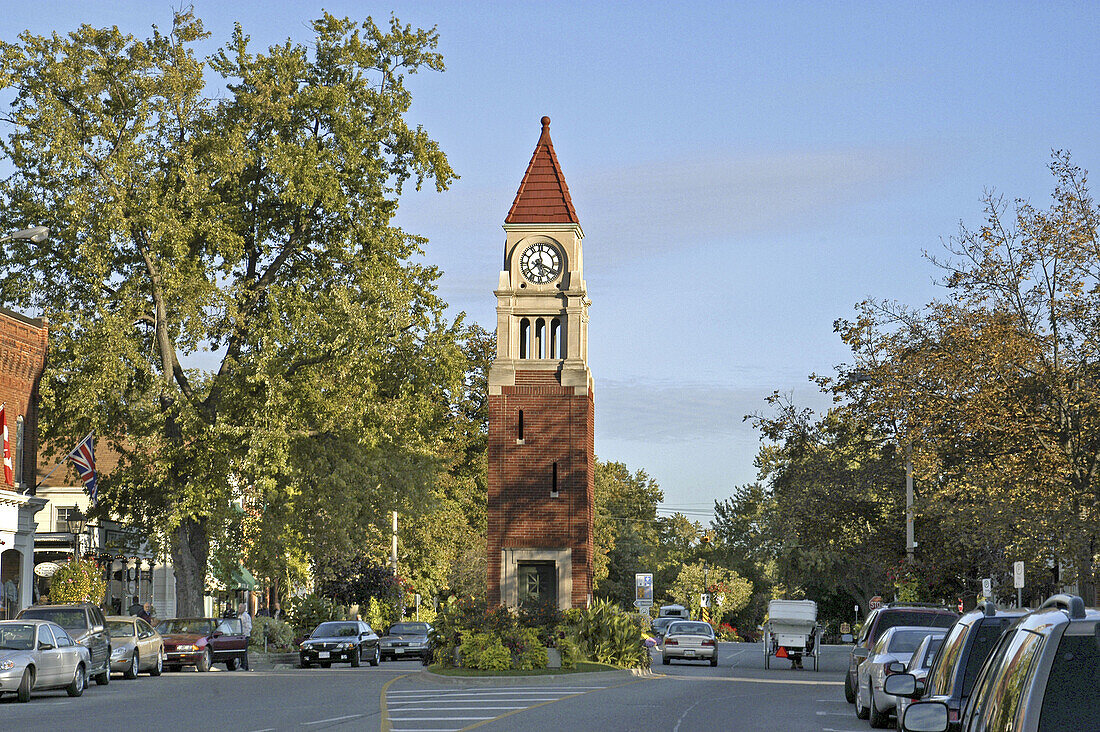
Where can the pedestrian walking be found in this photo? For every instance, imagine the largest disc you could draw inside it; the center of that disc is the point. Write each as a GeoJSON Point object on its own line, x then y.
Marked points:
{"type": "Point", "coordinates": [246, 626]}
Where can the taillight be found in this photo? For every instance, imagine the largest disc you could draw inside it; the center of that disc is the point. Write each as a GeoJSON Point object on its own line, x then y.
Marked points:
{"type": "Point", "coordinates": [952, 715]}
{"type": "Point", "coordinates": [708, 643]}
{"type": "Point", "coordinates": [671, 642]}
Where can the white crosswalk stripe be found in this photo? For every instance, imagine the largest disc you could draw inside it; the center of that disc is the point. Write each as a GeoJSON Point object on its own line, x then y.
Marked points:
{"type": "Point", "coordinates": [450, 710]}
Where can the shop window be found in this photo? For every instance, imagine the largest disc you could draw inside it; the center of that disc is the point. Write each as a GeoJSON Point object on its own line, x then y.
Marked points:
{"type": "Point", "coordinates": [11, 565]}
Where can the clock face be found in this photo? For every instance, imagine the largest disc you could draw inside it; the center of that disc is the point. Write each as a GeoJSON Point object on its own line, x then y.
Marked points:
{"type": "Point", "coordinates": [540, 263]}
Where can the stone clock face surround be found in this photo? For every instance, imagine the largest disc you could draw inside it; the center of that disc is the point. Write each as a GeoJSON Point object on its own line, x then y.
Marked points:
{"type": "Point", "coordinates": [540, 263]}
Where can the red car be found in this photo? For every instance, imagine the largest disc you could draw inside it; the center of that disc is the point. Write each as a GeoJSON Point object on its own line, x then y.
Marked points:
{"type": "Point", "coordinates": [202, 642]}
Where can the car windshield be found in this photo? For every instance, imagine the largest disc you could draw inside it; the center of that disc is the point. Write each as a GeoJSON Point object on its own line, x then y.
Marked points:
{"type": "Point", "coordinates": [335, 630]}
{"type": "Point", "coordinates": [197, 626]}
{"type": "Point", "coordinates": [661, 623]}
{"type": "Point", "coordinates": [690, 629]}
{"type": "Point", "coordinates": [920, 619]}
{"type": "Point", "coordinates": [67, 617]}
{"type": "Point", "coordinates": [17, 636]}
{"type": "Point", "coordinates": [121, 628]}
{"type": "Point", "coordinates": [906, 641]}
{"type": "Point", "coordinates": [409, 629]}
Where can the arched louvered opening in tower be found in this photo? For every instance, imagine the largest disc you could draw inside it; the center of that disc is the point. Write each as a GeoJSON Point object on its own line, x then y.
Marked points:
{"type": "Point", "coordinates": [524, 338]}
{"type": "Point", "coordinates": [540, 338]}
{"type": "Point", "coordinates": [557, 348]}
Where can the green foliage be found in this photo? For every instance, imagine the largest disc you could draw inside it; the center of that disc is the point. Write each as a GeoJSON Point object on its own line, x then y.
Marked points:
{"type": "Point", "coordinates": [625, 526]}
{"type": "Point", "coordinates": [78, 580]}
{"type": "Point", "coordinates": [544, 617]}
{"type": "Point", "coordinates": [380, 615]}
{"type": "Point", "coordinates": [485, 651]}
{"type": "Point", "coordinates": [528, 651]}
{"type": "Point", "coordinates": [184, 222]}
{"type": "Point", "coordinates": [309, 611]}
{"type": "Point", "coordinates": [608, 635]}
{"type": "Point", "coordinates": [571, 653]}
{"type": "Point", "coordinates": [278, 634]}
{"type": "Point", "coordinates": [730, 592]}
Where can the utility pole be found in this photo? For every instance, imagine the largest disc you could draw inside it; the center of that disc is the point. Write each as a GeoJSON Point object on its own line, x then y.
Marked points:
{"type": "Point", "coordinates": [910, 543]}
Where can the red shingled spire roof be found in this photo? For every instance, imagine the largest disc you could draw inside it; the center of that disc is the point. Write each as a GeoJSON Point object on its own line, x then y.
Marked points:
{"type": "Point", "coordinates": [543, 197]}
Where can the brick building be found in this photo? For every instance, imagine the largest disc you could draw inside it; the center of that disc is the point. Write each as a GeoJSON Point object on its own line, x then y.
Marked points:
{"type": "Point", "coordinates": [541, 450]}
{"type": "Point", "coordinates": [23, 345]}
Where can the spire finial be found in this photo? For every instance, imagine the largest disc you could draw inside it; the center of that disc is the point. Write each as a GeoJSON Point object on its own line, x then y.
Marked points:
{"type": "Point", "coordinates": [545, 123]}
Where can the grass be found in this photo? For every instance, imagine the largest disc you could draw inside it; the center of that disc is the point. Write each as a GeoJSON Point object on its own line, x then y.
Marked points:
{"type": "Point", "coordinates": [582, 667]}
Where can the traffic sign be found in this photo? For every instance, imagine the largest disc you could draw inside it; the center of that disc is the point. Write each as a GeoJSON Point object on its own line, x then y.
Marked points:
{"type": "Point", "coordinates": [1018, 575]}
{"type": "Point", "coordinates": [643, 604]}
{"type": "Point", "coordinates": [987, 588]}
{"type": "Point", "coordinates": [704, 600]}
{"type": "Point", "coordinates": [643, 585]}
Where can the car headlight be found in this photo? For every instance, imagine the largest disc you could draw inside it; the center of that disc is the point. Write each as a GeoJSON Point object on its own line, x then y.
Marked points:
{"type": "Point", "coordinates": [346, 645]}
{"type": "Point", "coordinates": [118, 653]}
{"type": "Point", "coordinates": [7, 665]}
{"type": "Point", "coordinates": [187, 648]}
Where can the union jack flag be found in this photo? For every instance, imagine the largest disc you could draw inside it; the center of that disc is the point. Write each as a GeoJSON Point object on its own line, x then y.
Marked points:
{"type": "Point", "coordinates": [83, 458]}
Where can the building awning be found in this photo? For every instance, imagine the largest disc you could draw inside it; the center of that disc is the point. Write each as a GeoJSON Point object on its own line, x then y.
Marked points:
{"type": "Point", "coordinates": [242, 579]}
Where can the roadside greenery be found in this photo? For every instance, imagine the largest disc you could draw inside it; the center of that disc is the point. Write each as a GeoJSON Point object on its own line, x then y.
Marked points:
{"type": "Point", "coordinates": [78, 580]}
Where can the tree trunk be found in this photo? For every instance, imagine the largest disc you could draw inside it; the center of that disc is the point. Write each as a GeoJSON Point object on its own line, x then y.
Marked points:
{"type": "Point", "coordinates": [1086, 574]}
{"type": "Point", "coordinates": [190, 549]}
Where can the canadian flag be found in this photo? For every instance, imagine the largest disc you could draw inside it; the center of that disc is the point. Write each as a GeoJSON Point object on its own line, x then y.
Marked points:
{"type": "Point", "coordinates": [9, 474]}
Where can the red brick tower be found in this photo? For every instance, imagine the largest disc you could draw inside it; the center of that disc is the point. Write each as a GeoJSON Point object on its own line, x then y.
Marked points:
{"type": "Point", "coordinates": [541, 444]}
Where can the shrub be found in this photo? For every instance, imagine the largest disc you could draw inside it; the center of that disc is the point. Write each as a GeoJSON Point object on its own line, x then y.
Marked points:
{"type": "Point", "coordinates": [527, 651]}
{"type": "Point", "coordinates": [279, 635]}
{"type": "Point", "coordinates": [380, 615]}
{"type": "Point", "coordinates": [608, 635]}
{"type": "Point", "coordinates": [485, 651]}
{"type": "Point", "coordinates": [309, 611]}
{"type": "Point", "coordinates": [544, 618]}
{"type": "Point", "coordinates": [78, 580]}
{"type": "Point", "coordinates": [571, 653]}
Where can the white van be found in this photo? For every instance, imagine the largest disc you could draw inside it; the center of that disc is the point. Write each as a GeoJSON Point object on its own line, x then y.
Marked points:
{"type": "Point", "coordinates": [674, 611]}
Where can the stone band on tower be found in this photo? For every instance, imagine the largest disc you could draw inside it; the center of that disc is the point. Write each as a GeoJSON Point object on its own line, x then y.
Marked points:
{"type": "Point", "coordinates": [541, 452]}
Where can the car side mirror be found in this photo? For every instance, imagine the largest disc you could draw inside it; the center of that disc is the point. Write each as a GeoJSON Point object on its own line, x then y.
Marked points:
{"type": "Point", "coordinates": [925, 717]}
{"type": "Point", "coordinates": [97, 628]}
{"type": "Point", "coordinates": [217, 634]}
{"type": "Point", "coordinates": [900, 685]}
{"type": "Point", "coordinates": [46, 646]}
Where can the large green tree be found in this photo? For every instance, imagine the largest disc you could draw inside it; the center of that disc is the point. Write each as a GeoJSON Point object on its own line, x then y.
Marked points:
{"type": "Point", "coordinates": [253, 223]}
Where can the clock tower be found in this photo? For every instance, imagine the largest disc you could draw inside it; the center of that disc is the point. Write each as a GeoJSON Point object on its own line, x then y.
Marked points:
{"type": "Point", "coordinates": [541, 431]}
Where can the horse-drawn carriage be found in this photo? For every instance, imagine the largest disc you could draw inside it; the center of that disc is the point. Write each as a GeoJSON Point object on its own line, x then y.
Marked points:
{"type": "Point", "coordinates": [792, 632]}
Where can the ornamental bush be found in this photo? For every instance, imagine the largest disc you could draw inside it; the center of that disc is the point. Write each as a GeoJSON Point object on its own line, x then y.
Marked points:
{"type": "Point", "coordinates": [485, 651]}
{"type": "Point", "coordinates": [527, 651]}
{"type": "Point", "coordinates": [309, 611]}
{"type": "Point", "coordinates": [78, 580]}
{"type": "Point", "coordinates": [608, 635]}
{"type": "Point", "coordinates": [279, 635]}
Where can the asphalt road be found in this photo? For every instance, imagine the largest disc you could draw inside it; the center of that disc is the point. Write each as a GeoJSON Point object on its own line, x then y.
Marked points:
{"type": "Point", "coordinates": [399, 697]}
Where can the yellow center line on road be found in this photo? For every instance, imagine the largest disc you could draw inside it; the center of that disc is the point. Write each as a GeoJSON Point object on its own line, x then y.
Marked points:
{"type": "Point", "coordinates": [543, 704]}
{"type": "Point", "coordinates": [382, 703]}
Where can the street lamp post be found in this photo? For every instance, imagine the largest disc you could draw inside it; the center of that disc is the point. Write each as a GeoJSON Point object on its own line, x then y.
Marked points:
{"type": "Point", "coordinates": [75, 522]}
{"type": "Point", "coordinates": [36, 234]}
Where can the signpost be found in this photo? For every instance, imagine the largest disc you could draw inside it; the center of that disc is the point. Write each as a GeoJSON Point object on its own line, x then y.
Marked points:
{"type": "Point", "coordinates": [987, 588]}
{"type": "Point", "coordinates": [1018, 582]}
{"type": "Point", "coordinates": [643, 590]}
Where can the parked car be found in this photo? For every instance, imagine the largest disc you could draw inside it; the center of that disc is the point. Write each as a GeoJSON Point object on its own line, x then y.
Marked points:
{"type": "Point", "coordinates": [1041, 676]}
{"type": "Point", "coordinates": [36, 655]}
{"type": "Point", "coordinates": [660, 625]}
{"type": "Point", "coordinates": [85, 624]}
{"type": "Point", "coordinates": [203, 642]}
{"type": "Point", "coordinates": [891, 652]}
{"type": "Point", "coordinates": [136, 647]}
{"type": "Point", "coordinates": [964, 650]}
{"type": "Point", "coordinates": [405, 640]}
{"type": "Point", "coordinates": [689, 640]}
{"type": "Point", "coordinates": [879, 621]}
{"type": "Point", "coordinates": [918, 667]}
{"type": "Point", "coordinates": [338, 641]}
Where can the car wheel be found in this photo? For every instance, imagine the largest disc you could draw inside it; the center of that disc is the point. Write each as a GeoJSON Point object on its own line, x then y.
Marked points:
{"type": "Point", "coordinates": [879, 720]}
{"type": "Point", "coordinates": [665, 659]}
{"type": "Point", "coordinates": [849, 692]}
{"type": "Point", "coordinates": [155, 671]}
{"type": "Point", "coordinates": [205, 661]}
{"type": "Point", "coordinates": [357, 657]}
{"type": "Point", "coordinates": [714, 659]}
{"type": "Point", "coordinates": [172, 667]}
{"type": "Point", "coordinates": [307, 664]}
{"type": "Point", "coordinates": [131, 671]}
{"type": "Point", "coordinates": [104, 678]}
{"type": "Point", "coordinates": [25, 685]}
{"type": "Point", "coordinates": [231, 664]}
{"type": "Point", "coordinates": [861, 711]}
{"type": "Point", "coordinates": [326, 664]}
{"type": "Point", "coordinates": [377, 657]}
{"type": "Point", "coordinates": [76, 686]}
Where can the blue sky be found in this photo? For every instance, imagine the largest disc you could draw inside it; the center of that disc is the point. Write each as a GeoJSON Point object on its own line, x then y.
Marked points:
{"type": "Point", "coordinates": [745, 173]}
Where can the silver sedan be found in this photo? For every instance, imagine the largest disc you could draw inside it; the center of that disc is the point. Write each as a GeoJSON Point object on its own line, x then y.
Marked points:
{"type": "Point", "coordinates": [690, 640]}
{"type": "Point", "coordinates": [896, 645]}
{"type": "Point", "coordinates": [135, 647]}
{"type": "Point", "coordinates": [36, 655]}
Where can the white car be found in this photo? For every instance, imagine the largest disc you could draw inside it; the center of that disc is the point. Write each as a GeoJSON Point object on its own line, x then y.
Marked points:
{"type": "Point", "coordinates": [36, 655]}
{"type": "Point", "coordinates": [691, 640]}
{"type": "Point", "coordinates": [918, 666]}
{"type": "Point", "coordinates": [896, 645]}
